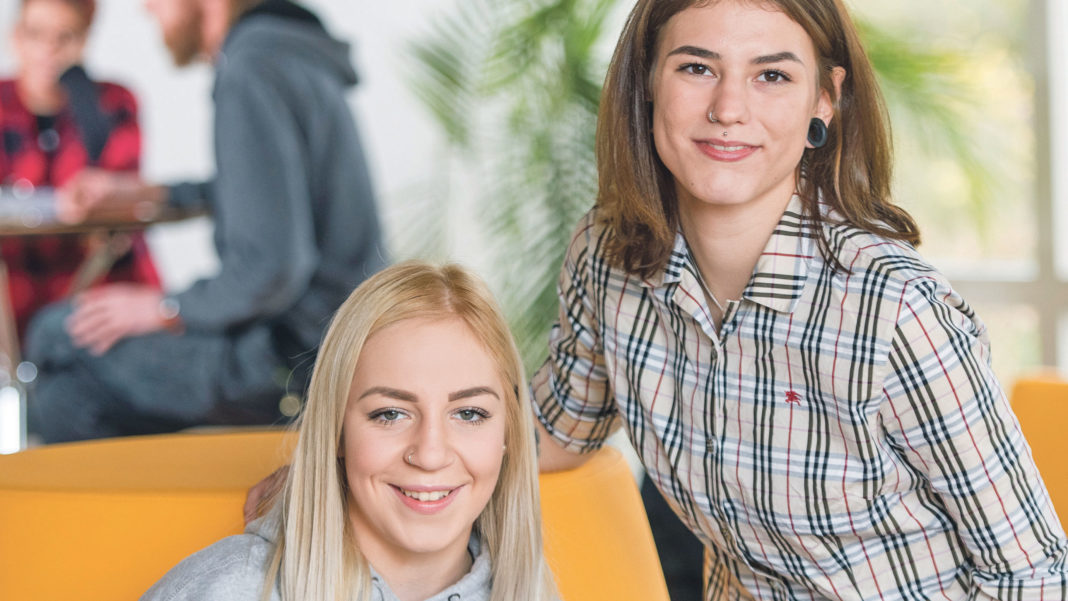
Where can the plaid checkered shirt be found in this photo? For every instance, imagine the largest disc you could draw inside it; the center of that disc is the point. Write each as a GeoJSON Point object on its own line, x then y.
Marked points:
{"type": "Point", "coordinates": [841, 437]}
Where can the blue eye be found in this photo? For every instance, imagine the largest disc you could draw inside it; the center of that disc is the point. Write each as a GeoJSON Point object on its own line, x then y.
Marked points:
{"type": "Point", "coordinates": [472, 415]}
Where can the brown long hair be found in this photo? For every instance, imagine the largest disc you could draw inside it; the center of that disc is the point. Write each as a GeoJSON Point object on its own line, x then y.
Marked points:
{"type": "Point", "coordinates": [851, 173]}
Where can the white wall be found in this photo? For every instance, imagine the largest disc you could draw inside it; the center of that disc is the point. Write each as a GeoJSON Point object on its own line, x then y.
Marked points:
{"type": "Point", "coordinates": [176, 108]}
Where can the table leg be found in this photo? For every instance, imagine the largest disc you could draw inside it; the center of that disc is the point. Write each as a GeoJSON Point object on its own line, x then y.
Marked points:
{"type": "Point", "coordinates": [105, 249]}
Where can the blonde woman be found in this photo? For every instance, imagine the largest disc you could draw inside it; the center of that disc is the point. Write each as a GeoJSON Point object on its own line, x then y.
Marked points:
{"type": "Point", "coordinates": [415, 474]}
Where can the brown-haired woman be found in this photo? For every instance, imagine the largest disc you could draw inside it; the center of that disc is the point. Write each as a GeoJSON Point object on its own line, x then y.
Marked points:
{"type": "Point", "coordinates": [812, 397]}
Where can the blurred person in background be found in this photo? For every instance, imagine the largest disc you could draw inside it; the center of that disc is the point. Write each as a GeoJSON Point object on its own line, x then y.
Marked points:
{"type": "Point", "coordinates": [54, 122]}
{"type": "Point", "coordinates": [296, 229]}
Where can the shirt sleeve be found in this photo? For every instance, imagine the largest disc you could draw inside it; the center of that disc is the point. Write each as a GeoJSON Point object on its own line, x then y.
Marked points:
{"type": "Point", "coordinates": [955, 426]}
{"type": "Point", "coordinates": [260, 198]}
{"type": "Point", "coordinates": [570, 393]}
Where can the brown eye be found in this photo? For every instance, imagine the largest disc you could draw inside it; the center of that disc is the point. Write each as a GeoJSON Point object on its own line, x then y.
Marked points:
{"type": "Point", "coordinates": [772, 76]}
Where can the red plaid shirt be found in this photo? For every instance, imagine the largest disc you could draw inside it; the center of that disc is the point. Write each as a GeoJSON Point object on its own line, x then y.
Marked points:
{"type": "Point", "coordinates": [40, 268]}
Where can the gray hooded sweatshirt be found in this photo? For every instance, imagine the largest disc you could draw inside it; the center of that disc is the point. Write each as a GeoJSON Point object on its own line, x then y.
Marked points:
{"type": "Point", "coordinates": [296, 227]}
{"type": "Point", "coordinates": [233, 569]}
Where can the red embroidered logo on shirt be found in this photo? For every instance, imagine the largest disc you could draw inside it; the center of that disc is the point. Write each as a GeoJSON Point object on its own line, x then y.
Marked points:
{"type": "Point", "coordinates": [793, 397]}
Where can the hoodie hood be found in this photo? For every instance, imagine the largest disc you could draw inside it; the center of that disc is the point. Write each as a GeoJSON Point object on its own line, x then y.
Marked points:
{"type": "Point", "coordinates": [279, 28]}
{"type": "Point", "coordinates": [474, 586]}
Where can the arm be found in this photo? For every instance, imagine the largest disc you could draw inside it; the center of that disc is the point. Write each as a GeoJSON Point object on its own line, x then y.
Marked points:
{"type": "Point", "coordinates": [948, 416]}
{"type": "Point", "coordinates": [260, 198]}
{"type": "Point", "coordinates": [552, 456]}
{"type": "Point", "coordinates": [573, 405]}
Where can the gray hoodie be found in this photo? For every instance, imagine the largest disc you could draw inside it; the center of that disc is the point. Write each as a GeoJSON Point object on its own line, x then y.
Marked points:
{"type": "Point", "coordinates": [233, 570]}
{"type": "Point", "coordinates": [296, 226]}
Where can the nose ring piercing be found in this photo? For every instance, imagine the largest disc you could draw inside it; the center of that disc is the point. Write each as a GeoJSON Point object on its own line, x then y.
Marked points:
{"type": "Point", "coordinates": [712, 118]}
{"type": "Point", "coordinates": [408, 457]}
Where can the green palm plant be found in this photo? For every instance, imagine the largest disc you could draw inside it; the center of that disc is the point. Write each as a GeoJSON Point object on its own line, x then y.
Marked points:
{"type": "Point", "coordinates": [514, 86]}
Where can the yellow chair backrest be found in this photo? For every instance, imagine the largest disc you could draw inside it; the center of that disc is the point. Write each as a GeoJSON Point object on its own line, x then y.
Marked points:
{"type": "Point", "coordinates": [597, 538]}
{"type": "Point", "coordinates": [1041, 404]}
{"type": "Point", "coordinates": [104, 520]}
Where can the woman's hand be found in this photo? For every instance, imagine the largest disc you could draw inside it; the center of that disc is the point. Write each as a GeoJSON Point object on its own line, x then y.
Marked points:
{"type": "Point", "coordinates": [95, 192]}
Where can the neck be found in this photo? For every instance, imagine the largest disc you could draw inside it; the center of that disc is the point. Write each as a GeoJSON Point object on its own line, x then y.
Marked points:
{"type": "Point", "coordinates": [39, 98]}
{"type": "Point", "coordinates": [418, 576]}
{"type": "Point", "coordinates": [727, 240]}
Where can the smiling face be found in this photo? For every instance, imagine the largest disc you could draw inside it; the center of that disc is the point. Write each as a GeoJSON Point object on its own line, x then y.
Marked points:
{"type": "Point", "coordinates": [755, 70]}
{"type": "Point", "coordinates": [423, 438]}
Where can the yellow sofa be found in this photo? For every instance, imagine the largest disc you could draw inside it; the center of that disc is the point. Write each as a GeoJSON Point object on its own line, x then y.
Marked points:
{"type": "Point", "coordinates": [103, 520]}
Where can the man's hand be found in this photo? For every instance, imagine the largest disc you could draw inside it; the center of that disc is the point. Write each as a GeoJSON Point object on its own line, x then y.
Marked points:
{"type": "Point", "coordinates": [263, 492]}
{"type": "Point", "coordinates": [95, 192]}
{"type": "Point", "coordinates": [103, 316]}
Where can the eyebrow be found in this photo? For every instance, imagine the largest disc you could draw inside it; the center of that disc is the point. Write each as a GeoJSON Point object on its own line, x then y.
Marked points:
{"type": "Point", "coordinates": [712, 55]}
{"type": "Point", "coordinates": [472, 392]}
{"type": "Point", "coordinates": [392, 393]}
{"type": "Point", "coordinates": [403, 395]}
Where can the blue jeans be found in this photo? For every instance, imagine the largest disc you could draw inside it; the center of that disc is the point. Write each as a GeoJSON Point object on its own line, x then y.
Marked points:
{"type": "Point", "coordinates": [159, 382]}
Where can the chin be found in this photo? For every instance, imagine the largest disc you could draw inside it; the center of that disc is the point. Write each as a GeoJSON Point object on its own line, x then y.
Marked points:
{"type": "Point", "coordinates": [430, 540]}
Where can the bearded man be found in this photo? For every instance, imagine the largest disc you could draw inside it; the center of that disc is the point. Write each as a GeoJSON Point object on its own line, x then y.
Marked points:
{"type": "Point", "coordinates": [296, 230]}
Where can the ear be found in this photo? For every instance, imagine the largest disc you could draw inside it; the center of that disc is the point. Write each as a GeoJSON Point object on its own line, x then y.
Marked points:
{"type": "Point", "coordinates": [825, 105]}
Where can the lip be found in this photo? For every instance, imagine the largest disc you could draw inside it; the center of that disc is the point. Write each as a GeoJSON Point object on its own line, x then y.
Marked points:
{"type": "Point", "coordinates": [726, 151]}
{"type": "Point", "coordinates": [426, 507]}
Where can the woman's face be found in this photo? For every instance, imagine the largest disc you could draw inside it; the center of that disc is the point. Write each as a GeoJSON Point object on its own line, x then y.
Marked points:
{"type": "Point", "coordinates": [423, 438]}
{"type": "Point", "coordinates": [756, 71]}
{"type": "Point", "coordinates": [49, 37]}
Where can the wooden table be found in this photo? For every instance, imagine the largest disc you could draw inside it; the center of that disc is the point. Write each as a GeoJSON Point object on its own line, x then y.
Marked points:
{"type": "Point", "coordinates": [32, 213]}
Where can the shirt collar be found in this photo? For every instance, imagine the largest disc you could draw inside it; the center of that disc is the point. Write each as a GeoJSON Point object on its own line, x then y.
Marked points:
{"type": "Point", "coordinates": [780, 273]}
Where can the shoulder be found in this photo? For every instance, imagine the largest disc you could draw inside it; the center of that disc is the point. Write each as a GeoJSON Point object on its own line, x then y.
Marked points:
{"type": "Point", "coordinates": [8, 95]}
{"type": "Point", "coordinates": [588, 238]}
{"type": "Point", "coordinates": [229, 570]}
{"type": "Point", "coordinates": [897, 273]}
{"type": "Point", "coordinates": [114, 96]}
{"type": "Point", "coordinates": [854, 247]}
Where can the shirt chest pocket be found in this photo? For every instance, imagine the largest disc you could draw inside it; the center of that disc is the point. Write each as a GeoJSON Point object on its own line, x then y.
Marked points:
{"type": "Point", "coordinates": [796, 466]}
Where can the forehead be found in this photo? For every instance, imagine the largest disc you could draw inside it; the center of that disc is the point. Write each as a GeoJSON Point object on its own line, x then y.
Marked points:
{"type": "Point", "coordinates": [49, 11]}
{"type": "Point", "coordinates": [735, 28]}
{"type": "Point", "coordinates": [428, 354]}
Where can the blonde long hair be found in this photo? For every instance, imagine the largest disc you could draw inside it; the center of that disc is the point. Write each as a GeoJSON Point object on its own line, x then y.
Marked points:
{"type": "Point", "coordinates": [316, 556]}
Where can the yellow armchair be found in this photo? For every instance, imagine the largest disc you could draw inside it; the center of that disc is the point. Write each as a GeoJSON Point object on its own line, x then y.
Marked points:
{"type": "Point", "coordinates": [103, 520]}
{"type": "Point", "coordinates": [1040, 402]}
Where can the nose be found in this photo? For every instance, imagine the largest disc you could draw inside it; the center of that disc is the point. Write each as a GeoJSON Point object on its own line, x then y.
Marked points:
{"type": "Point", "coordinates": [431, 447]}
{"type": "Point", "coordinates": [730, 100]}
